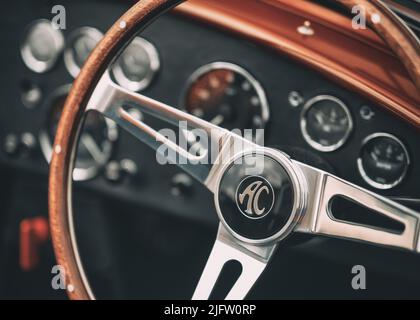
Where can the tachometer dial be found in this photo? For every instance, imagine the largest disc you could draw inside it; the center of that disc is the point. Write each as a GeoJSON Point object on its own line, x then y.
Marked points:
{"type": "Point", "coordinates": [95, 143]}
{"type": "Point", "coordinates": [383, 160]}
{"type": "Point", "coordinates": [326, 123]}
{"type": "Point", "coordinates": [228, 96]}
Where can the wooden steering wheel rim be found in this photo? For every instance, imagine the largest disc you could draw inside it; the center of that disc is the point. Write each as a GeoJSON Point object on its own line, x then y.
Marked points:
{"type": "Point", "coordinates": [395, 34]}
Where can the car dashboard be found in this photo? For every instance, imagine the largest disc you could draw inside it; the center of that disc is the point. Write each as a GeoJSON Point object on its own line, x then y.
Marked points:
{"type": "Point", "coordinates": [129, 208]}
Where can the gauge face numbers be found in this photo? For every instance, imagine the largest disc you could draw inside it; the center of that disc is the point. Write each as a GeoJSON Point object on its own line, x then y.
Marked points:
{"type": "Point", "coordinates": [227, 96]}
{"type": "Point", "coordinates": [79, 45]}
{"type": "Point", "coordinates": [95, 141]}
{"type": "Point", "coordinates": [383, 161]}
{"type": "Point", "coordinates": [42, 46]}
{"type": "Point", "coordinates": [136, 67]}
{"type": "Point", "coordinates": [326, 123]}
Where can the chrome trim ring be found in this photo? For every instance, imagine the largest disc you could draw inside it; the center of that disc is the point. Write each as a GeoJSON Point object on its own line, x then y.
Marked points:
{"type": "Point", "coordinates": [153, 68]}
{"type": "Point", "coordinates": [363, 172]}
{"type": "Point", "coordinates": [303, 124]}
{"type": "Point", "coordinates": [32, 62]}
{"type": "Point", "coordinates": [69, 60]}
{"type": "Point", "coordinates": [265, 109]}
{"type": "Point", "coordinates": [300, 190]}
{"type": "Point", "coordinates": [79, 174]}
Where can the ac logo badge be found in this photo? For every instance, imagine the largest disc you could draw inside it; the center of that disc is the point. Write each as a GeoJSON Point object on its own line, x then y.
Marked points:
{"type": "Point", "coordinates": [254, 197]}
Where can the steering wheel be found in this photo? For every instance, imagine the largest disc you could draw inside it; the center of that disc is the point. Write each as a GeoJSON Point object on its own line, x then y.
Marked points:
{"type": "Point", "coordinates": [261, 194]}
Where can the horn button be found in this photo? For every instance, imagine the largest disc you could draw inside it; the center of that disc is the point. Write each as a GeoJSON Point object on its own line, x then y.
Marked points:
{"type": "Point", "coordinates": [256, 198]}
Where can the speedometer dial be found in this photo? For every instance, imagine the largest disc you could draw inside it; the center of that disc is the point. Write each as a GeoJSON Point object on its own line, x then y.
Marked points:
{"type": "Point", "coordinates": [326, 123]}
{"type": "Point", "coordinates": [95, 142]}
{"type": "Point", "coordinates": [383, 160]}
{"type": "Point", "coordinates": [227, 96]}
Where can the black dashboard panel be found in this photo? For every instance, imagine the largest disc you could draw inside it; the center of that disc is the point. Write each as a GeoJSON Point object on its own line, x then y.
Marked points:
{"type": "Point", "coordinates": [179, 59]}
{"type": "Point", "coordinates": [151, 197]}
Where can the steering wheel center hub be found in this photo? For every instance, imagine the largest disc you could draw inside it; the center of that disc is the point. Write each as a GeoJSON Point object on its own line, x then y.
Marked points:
{"type": "Point", "coordinates": [259, 197]}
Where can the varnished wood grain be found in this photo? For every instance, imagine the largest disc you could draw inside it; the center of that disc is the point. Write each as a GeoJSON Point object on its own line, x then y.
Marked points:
{"type": "Point", "coordinates": [60, 180]}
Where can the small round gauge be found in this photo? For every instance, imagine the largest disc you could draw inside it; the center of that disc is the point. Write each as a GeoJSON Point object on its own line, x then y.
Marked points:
{"type": "Point", "coordinates": [79, 45]}
{"type": "Point", "coordinates": [227, 96]}
{"type": "Point", "coordinates": [136, 67]}
{"type": "Point", "coordinates": [326, 123]}
{"type": "Point", "coordinates": [383, 161]}
{"type": "Point", "coordinates": [95, 142]}
{"type": "Point", "coordinates": [42, 46]}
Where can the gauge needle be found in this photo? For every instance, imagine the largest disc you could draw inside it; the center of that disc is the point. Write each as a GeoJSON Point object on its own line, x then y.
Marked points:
{"type": "Point", "coordinates": [320, 118]}
{"type": "Point", "coordinates": [92, 147]}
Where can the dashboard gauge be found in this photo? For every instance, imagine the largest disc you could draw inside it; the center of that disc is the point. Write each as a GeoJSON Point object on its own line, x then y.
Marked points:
{"type": "Point", "coordinates": [42, 46]}
{"type": "Point", "coordinates": [79, 45]}
{"type": "Point", "coordinates": [95, 142]}
{"type": "Point", "coordinates": [326, 123]}
{"type": "Point", "coordinates": [136, 67]}
{"type": "Point", "coordinates": [227, 96]}
{"type": "Point", "coordinates": [383, 160]}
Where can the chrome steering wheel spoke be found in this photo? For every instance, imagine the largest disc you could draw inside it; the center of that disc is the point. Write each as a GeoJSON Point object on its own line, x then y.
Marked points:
{"type": "Point", "coordinates": [319, 219]}
{"type": "Point", "coordinates": [114, 101]}
{"type": "Point", "coordinates": [253, 260]}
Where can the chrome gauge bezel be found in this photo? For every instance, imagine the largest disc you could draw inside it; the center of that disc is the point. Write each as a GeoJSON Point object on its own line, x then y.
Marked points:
{"type": "Point", "coordinates": [303, 124]}
{"type": "Point", "coordinates": [362, 171]}
{"type": "Point", "coordinates": [69, 60]}
{"type": "Point", "coordinates": [28, 58]}
{"type": "Point", "coordinates": [265, 109]}
{"type": "Point", "coordinates": [79, 174]}
{"type": "Point", "coordinates": [121, 78]}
